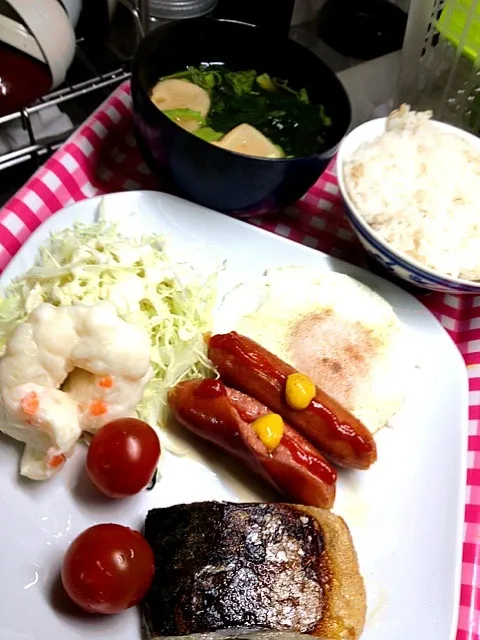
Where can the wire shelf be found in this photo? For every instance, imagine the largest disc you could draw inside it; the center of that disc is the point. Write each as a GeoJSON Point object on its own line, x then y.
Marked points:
{"type": "Point", "coordinates": [94, 73]}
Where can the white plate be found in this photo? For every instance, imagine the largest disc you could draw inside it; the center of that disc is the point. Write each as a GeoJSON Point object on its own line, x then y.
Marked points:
{"type": "Point", "coordinates": [405, 514]}
{"type": "Point", "coordinates": [18, 36]}
{"type": "Point", "coordinates": [73, 9]}
{"type": "Point", "coordinates": [51, 28]}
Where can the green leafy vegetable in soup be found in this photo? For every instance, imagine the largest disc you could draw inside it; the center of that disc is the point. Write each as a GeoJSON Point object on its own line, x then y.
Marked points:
{"type": "Point", "coordinates": [244, 111]}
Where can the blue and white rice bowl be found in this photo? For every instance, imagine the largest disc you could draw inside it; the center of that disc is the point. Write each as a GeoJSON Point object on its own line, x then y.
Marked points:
{"type": "Point", "coordinates": [393, 260]}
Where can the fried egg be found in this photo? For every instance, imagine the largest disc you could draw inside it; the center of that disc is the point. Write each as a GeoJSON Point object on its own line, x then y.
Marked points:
{"type": "Point", "coordinates": [338, 331]}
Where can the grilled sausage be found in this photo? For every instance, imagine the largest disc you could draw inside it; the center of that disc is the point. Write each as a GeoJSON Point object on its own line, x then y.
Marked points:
{"type": "Point", "coordinates": [224, 417]}
{"type": "Point", "coordinates": [245, 365]}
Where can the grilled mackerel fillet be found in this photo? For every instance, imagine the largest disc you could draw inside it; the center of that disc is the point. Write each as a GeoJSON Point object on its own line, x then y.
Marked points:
{"type": "Point", "coordinates": [227, 570]}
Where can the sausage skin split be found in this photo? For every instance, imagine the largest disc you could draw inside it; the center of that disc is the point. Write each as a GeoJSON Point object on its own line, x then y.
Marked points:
{"type": "Point", "coordinates": [224, 417]}
{"type": "Point", "coordinates": [245, 365]}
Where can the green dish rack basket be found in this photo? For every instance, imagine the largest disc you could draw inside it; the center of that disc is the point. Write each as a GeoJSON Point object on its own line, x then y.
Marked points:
{"type": "Point", "coordinates": [440, 67]}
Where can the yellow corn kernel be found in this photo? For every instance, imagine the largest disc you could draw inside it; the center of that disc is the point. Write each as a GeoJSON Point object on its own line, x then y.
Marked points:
{"type": "Point", "coordinates": [299, 391]}
{"type": "Point", "coordinates": [269, 429]}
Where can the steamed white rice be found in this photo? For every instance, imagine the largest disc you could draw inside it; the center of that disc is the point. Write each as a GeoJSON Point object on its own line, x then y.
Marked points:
{"type": "Point", "coordinates": [419, 188]}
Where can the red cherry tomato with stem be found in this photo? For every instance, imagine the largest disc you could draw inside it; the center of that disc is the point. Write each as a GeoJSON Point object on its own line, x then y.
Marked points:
{"type": "Point", "coordinates": [122, 457]}
{"type": "Point", "coordinates": [108, 568]}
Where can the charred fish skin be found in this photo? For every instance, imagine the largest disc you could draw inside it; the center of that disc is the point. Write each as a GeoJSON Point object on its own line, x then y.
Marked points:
{"type": "Point", "coordinates": [241, 567]}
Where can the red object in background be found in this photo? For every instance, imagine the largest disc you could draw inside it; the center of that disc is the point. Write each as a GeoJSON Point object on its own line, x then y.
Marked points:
{"type": "Point", "coordinates": [22, 80]}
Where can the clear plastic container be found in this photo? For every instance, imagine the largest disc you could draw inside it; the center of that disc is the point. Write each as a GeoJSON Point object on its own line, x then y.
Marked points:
{"type": "Point", "coordinates": [167, 10]}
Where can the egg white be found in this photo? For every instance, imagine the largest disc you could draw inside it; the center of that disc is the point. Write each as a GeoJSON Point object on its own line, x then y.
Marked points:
{"type": "Point", "coordinates": [338, 331]}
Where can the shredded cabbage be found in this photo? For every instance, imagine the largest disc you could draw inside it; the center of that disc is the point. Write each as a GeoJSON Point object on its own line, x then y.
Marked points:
{"type": "Point", "coordinates": [89, 263]}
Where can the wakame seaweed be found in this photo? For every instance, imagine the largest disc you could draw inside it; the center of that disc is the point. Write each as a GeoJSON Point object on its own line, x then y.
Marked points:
{"type": "Point", "coordinates": [281, 113]}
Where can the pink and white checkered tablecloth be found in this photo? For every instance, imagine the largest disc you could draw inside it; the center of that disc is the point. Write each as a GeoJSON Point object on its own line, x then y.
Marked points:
{"type": "Point", "coordinates": [101, 157]}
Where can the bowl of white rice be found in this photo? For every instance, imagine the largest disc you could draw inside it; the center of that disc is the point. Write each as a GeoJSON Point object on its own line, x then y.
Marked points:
{"type": "Point", "coordinates": [411, 191]}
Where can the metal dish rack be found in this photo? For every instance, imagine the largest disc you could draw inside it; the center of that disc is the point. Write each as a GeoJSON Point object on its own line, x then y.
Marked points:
{"type": "Point", "coordinates": [87, 84]}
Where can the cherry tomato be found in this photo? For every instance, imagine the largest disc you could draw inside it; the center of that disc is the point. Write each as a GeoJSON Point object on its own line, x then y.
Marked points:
{"type": "Point", "coordinates": [108, 568]}
{"type": "Point", "coordinates": [122, 457]}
